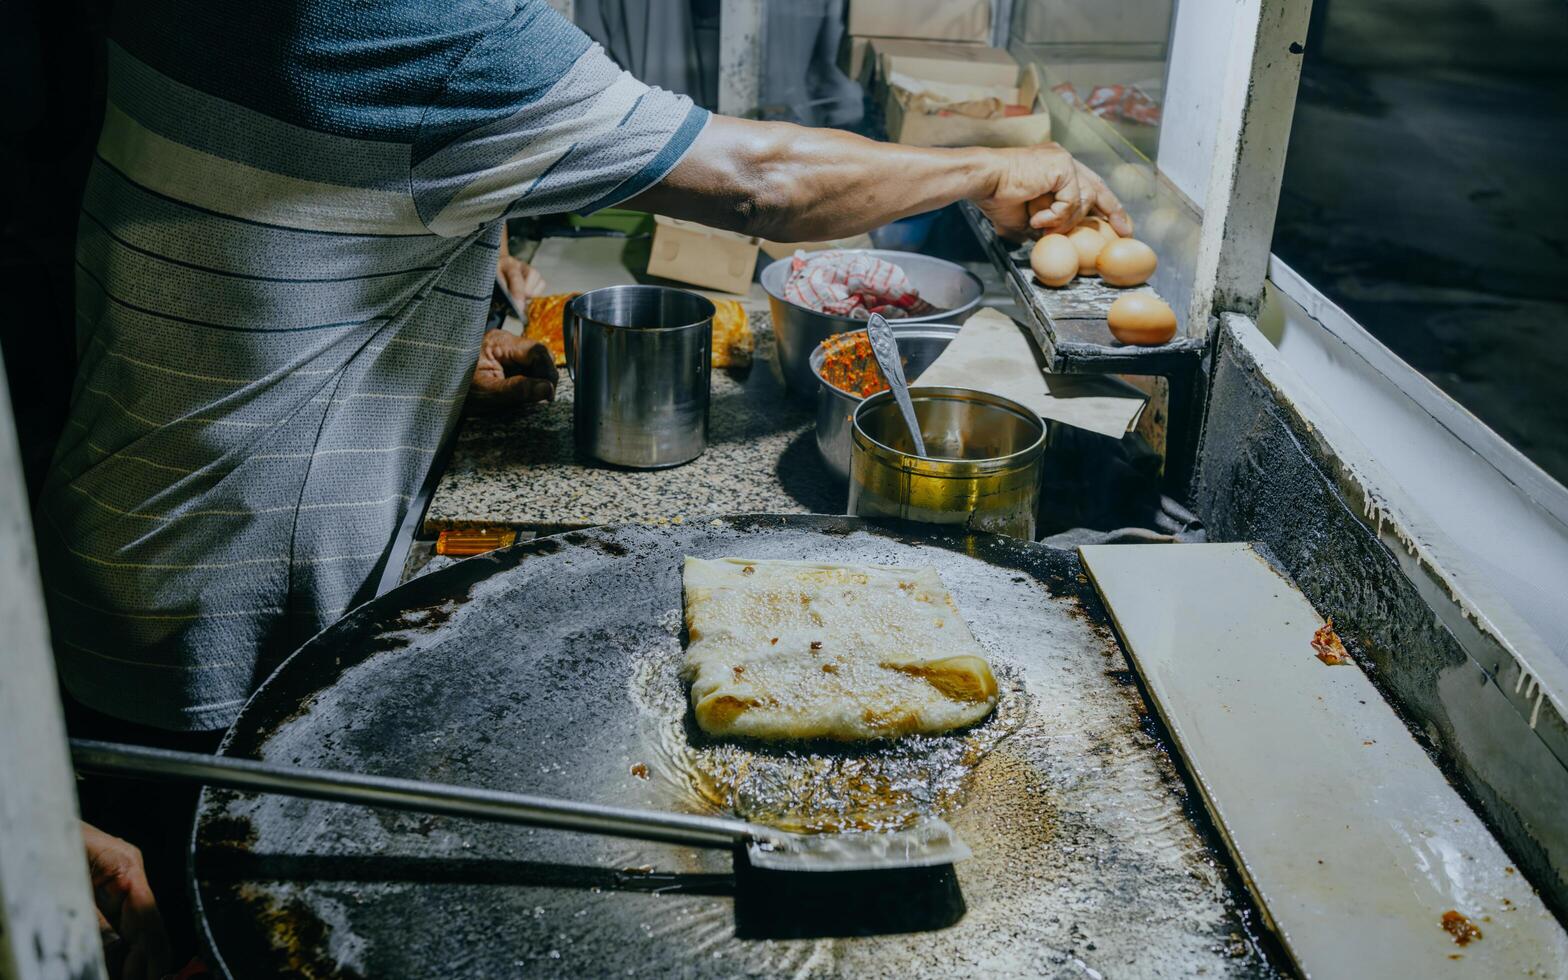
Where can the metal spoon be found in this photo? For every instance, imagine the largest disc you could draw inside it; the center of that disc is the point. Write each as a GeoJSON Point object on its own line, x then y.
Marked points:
{"type": "Point", "coordinates": [885, 347]}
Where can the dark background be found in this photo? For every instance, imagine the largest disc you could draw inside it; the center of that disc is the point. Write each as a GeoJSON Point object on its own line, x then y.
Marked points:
{"type": "Point", "coordinates": [51, 105]}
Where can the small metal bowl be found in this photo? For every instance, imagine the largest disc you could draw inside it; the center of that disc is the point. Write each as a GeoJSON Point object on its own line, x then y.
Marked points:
{"type": "Point", "coordinates": [919, 344]}
{"type": "Point", "coordinates": [952, 289]}
{"type": "Point", "coordinates": [985, 458]}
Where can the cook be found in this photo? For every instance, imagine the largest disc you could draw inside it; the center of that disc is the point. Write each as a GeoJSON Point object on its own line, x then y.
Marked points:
{"type": "Point", "coordinates": [285, 254]}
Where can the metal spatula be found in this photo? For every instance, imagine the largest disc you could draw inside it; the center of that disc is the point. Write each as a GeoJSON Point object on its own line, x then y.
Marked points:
{"type": "Point", "coordinates": [885, 346]}
{"type": "Point", "coordinates": [930, 842]}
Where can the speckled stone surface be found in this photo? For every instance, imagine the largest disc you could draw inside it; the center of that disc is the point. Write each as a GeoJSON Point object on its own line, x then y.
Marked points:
{"type": "Point", "coordinates": [524, 471]}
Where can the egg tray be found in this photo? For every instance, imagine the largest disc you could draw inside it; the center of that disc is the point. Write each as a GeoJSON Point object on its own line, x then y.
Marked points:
{"type": "Point", "coordinates": [1069, 322]}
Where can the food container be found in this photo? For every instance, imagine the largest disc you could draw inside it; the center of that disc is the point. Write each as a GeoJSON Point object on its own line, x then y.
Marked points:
{"type": "Point", "coordinates": [918, 344]}
{"type": "Point", "coordinates": [984, 465]}
{"type": "Point", "coordinates": [640, 359]}
{"type": "Point", "coordinates": [952, 289]}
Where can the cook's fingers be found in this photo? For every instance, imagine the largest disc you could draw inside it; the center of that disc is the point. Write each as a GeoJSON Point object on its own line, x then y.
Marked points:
{"type": "Point", "coordinates": [516, 284]}
{"type": "Point", "coordinates": [522, 390]}
{"type": "Point", "coordinates": [1062, 213]}
{"type": "Point", "coordinates": [1072, 196]}
{"type": "Point", "coordinates": [516, 354]}
{"type": "Point", "coordinates": [1106, 205]}
{"type": "Point", "coordinates": [109, 896]}
{"type": "Point", "coordinates": [538, 362]}
{"type": "Point", "coordinates": [1055, 215]}
{"type": "Point", "coordinates": [142, 925]}
{"type": "Point", "coordinates": [1051, 177]}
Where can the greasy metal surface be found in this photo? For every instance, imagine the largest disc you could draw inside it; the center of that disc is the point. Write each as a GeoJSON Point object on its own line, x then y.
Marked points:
{"type": "Point", "coordinates": [1262, 476]}
{"type": "Point", "coordinates": [551, 668]}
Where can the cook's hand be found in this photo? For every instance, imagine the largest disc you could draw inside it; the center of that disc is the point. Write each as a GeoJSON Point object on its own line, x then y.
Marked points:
{"type": "Point", "coordinates": [512, 372]}
{"type": "Point", "coordinates": [135, 945]}
{"type": "Point", "coordinates": [1042, 189]}
{"type": "Point", "coordinates": [521, 279]}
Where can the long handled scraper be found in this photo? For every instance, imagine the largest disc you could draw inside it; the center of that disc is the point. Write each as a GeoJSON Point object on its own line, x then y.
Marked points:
{"type": "Point", "coordinates": [930, 842]}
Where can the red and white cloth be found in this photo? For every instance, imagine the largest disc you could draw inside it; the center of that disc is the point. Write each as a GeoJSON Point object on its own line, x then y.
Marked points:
{"type": "Point", "coordinates": [852, 284]}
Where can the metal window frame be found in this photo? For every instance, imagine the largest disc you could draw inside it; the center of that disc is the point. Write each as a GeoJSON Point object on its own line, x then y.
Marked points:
{"type": "Point", "coordinates": [1532, 481]}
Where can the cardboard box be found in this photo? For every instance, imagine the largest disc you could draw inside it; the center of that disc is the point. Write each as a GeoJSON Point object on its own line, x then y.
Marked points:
{"type": "Point", "coordinates": [688, 252]}
{"type": "Point", "coordinates": [924, 113]}
{"type": "Point", "coordinates": [936, 20]}
{"type": "Point", "coordinates": [779, 250]}
{"type": "Point", "coordinates": [945, 61]}
{"type": "Point", "coordinates": [1093, 27]}
{"type": "Point", "coordinates": [852, 55]}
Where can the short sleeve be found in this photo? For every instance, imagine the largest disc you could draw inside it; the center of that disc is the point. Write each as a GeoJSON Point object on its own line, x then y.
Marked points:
{"type": "Point", "coordinates": [536, 119]}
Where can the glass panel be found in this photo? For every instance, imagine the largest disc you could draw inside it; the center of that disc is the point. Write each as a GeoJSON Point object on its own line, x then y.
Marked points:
{"type": "Point", "coordinates": [1107, 57]}
{"type": "Point", "coordinates": [1423, 195]}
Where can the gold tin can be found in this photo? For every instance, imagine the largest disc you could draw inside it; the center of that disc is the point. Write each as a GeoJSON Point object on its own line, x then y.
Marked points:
{"type": "Point", "coordinates": [982, 471]}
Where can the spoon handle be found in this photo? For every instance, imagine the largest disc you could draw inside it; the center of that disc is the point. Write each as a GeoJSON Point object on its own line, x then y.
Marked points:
{"type": "Point", "coordinates": [885, 347]}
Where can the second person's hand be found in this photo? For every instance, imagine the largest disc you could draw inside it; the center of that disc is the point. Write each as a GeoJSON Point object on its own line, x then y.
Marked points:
{"type": "Point", "coordinates": [522, 280]}
{"type": "Point", "coordinates": [136, 946]}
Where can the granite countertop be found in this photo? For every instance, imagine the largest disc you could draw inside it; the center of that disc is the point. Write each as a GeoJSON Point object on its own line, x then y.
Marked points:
{"type": "Point", "coordinates": [524, 471]}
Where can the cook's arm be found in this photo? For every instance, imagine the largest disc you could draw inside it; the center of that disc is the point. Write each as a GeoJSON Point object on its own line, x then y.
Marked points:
{"type": "Point", "coordinates": [792, 183]}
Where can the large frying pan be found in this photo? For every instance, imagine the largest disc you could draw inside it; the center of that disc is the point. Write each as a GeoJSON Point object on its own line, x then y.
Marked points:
{"type": "Point", "coordinates": [550, 668]}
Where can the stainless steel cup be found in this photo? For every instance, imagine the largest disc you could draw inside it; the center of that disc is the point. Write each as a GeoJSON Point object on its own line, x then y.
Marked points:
{"type": "Point", "coordinates": [983, 472]}
{"type": "Point", "coordinates": [640, 360]}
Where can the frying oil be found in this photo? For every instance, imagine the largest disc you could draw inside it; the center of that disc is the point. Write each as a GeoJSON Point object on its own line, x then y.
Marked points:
{"type": "Point", "coordinates": [816, 787]}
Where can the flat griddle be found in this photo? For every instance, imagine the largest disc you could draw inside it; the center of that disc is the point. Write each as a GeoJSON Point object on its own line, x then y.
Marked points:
{"type": "Point", "coordinates": [550, 668]}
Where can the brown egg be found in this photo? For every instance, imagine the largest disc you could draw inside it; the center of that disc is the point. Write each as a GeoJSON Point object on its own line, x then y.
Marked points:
{"type": "Point", "coordinates": [1141, 318]}
{"type": "Point", "coordinates": [1088, 242]}
{"type": "Point", "coordinates": [1103, 227]}
{"type": "Point", "coordinates": [1126, 262]}
{"type": "Point", "coordinates": [1054, 260]}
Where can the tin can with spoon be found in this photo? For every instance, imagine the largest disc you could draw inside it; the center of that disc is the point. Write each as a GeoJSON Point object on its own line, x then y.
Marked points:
{"type": "Point", "coordinates": [981, 467]}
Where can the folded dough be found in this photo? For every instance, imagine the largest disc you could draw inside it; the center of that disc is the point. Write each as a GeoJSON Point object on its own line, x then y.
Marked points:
{"type": "Point", "coordinates": [799, 650]}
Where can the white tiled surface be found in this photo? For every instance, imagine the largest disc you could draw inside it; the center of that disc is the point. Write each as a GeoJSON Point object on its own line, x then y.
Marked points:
{"type": "Point", "coordinates": [1345, 829]}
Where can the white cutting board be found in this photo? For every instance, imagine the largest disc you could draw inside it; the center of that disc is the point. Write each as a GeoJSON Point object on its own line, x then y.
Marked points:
{"type": "Point", "coordinates": [1347, 832]}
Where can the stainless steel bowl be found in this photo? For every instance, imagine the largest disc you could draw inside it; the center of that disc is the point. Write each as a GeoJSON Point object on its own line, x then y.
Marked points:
{"type": "Point", "coordinates": [952, 289]}
{"type": "Point", "coordinates": [982, 471]}
{"type": "Point", "coordinates": [919, 344]}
